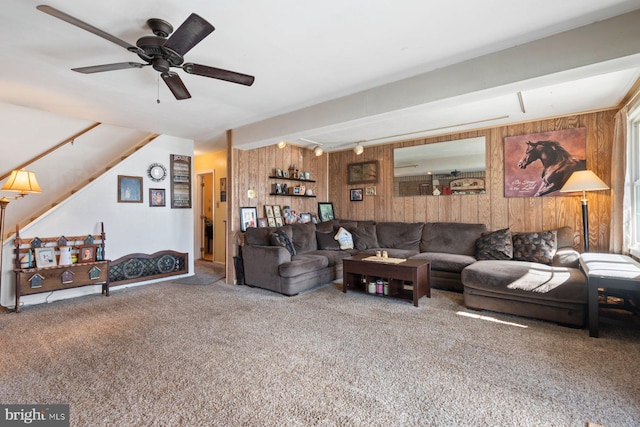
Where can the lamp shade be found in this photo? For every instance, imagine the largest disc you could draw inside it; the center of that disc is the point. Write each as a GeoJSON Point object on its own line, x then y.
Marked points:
{"type": "Point", "coordinates": [358, 149]}
{"type": "Point", "coordinates": [583, 181]}
{"type": "Point", "coordinates": [318, 151]}
{"type": "Point", "coordinates": [23, 182]}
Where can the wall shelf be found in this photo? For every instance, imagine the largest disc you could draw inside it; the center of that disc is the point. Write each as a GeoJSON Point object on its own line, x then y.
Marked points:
{"type": "Point", "coordinates": [291, 179]}
{"type": "Point", "coordinates": [291, 195]}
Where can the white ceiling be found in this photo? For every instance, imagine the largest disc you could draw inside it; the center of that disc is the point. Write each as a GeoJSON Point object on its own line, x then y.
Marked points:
{"type": "Point", "coordinates": [334, 72]}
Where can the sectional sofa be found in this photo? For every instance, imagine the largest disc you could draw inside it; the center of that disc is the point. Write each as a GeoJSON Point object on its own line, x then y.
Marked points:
{"type": "Point", "coordinates": [530, 274]}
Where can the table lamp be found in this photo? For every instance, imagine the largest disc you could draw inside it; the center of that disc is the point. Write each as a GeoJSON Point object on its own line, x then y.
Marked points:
{"type": "Point", "coordinates": [584, 181]}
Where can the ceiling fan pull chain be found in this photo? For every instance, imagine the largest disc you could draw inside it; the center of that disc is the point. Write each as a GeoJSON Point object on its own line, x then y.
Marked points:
{"type": "Point", "coordinates": [158, 99]}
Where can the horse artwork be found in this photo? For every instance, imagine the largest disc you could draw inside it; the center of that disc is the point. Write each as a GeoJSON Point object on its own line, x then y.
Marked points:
{"type": "Point", "coordinates": [548, 161]}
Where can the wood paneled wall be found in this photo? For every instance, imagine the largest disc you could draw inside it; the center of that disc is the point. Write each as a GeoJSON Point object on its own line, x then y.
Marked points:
{"type": "Point", "coordinates": [492, 208]}
{"type": "Point", "coordinates": [251, 169]}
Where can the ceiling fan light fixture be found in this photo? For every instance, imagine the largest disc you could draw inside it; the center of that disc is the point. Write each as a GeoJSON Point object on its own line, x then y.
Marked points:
{"type": "Point", "coordinates": [318, 151]}
{"type": "Point", "coordinates": [358, 149]}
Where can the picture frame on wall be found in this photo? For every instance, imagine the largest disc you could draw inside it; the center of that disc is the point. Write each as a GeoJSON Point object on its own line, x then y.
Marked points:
{"type": "Point", "coordinates": [356, 195]}
{"type": "Point", "coordinates": [157, 197]}
{"type": "Point", "coordinates": [325, 211]}
{"type": "Point", "coordinates": [223, 189]}
{"type": "Point", "coordinates": [129, 189]}
{"type": "Point", "coordinates": [271, 221]}
{"type": "Point", "coordinates": [363, 172]}
{"type": "Point", "coordinates": [180, 181]}
{"type": "Point", "coordinates": [262, 222]}
{"type": "Point", "coordinates": [248, 217]}
{"type": "Point", "coordinates": [276, 211]}
{"type": "Point", "coordinates": [268, 211]}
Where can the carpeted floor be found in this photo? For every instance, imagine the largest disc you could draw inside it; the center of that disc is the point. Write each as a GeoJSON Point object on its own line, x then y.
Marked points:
{"type": "Point", "coordinates": [170, 354]}
{"type": "Point", "coordinates": [206, 273]}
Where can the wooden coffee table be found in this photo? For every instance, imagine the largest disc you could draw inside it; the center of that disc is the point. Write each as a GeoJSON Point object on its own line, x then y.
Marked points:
{"type": "Point", "coordinates": [409, 280]}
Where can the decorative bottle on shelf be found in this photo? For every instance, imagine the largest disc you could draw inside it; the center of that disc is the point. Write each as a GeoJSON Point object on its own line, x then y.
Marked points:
{"type": "Point", "coordinates": [379, 287]}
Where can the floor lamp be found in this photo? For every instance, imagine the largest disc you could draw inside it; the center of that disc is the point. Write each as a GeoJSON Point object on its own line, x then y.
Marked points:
{"type": "Point", "coordinates": [584, 181]}
{"type": "Point", "coordinates": [23, 182]}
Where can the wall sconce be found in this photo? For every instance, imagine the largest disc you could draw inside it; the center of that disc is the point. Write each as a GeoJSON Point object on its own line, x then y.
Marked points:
{"type": "Point", "coordinates": [584, 181]}
{"type": "Point", "coordinates": [282, 144]}
{"type": "Point", "coordinates": [252, 194]}
{"type": "Point", "coordinates": [318, 151]}
{"type": "Point", "coordinates": [358, 149]}
{"type": "Point", "coordinates": [23, 182]}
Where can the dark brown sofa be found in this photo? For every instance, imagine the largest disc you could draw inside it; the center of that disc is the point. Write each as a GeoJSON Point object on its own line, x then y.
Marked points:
{"type": "Point", "coordinates": [552, 289]}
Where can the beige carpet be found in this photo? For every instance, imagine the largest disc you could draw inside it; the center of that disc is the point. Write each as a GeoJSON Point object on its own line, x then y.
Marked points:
{"type": "Point", "coordinates": [178, 355]}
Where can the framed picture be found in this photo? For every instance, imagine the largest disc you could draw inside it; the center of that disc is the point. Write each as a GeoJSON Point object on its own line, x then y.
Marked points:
{"type": "Point", "coordinates": [305, 217]}
{"type": "Point", "coordinates": [356, 194]}
{"type": "Point", "coordinates": [370, 191]}
{"type": "Point", "coordinates": [86, 254]}
{"type": "Point", "coordinates": [271, 222]}
{"type": "Point", "coordinates": [268, 211]}
{"type": "Point", "coordinates": [180, 181]}
{"type": "Point", "coordinates": [223, 189]}
{"type": "Point", "coordinates": [525, 173]}
{"type": "Point", "coordinates": [129, 189]}
{"type": "Point", "coordinates": [45, 257]}
{"type": "Point", "coordinates": [248, 218]}
{"type": "Point", "coordinates": [363, 172]}
{"type": "Point", "coordinates": [325, 211]}
{"type": "Point", "coordinates": [279, 172]}
{"type": "Point", "coordinates": [279, 222]}
{"type": "Point", "coordinates": [276, 211]}
{"type": "Point", "coordinates": [157, 197]}
{"type": "Point", "coordinates": [262, 222]}
{"type": "Point", "coordinates": [285, 174]}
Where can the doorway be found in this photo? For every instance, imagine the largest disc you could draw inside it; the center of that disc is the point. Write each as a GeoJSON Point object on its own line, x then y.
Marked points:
{"type": "Point", "coordinates": [206, 229]}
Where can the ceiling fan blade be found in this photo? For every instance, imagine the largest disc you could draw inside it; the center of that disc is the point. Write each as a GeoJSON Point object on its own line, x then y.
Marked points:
{"type": "Point", "coordinates": [108, 67]}
{"type": "Point", "coordinates": [87, 27]}
{"type": "Point", "coordinates": [218, 73]}
{"type": "Point", "coordinates": [190, 33]}
{"type": "Point", "coordinates": [174, 82]}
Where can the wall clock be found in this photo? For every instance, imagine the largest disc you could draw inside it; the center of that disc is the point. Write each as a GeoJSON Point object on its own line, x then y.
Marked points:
{"type": "Point", "coordinates": [157, 172]}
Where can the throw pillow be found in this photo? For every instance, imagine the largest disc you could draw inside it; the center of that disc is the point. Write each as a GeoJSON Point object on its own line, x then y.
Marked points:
{"type": "Point", "coordinates": [344, 238]}
{"type": "Point", "coordinates": [327, 242]}
{"type": "Point", "coordinates": [535, 247]}
{"type": "Point", "coordinates": [280, 238]}
{"type": "Point", "coordinates": [364, 236]}
{"type": "Point", "coordinates": [494, 245]}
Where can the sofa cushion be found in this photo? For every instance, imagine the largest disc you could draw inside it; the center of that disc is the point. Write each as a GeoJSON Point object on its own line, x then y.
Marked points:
{"type": "Point", "coordinates": [495, 245]}
{"type": "Point", "coordinates": [280, 238]}
{"type": "Point", "coordinates": [259, 236]}
{"type": "Point", "coordinates": [535, 280]}
{"type": "Point", "coordinates": [326, 241]}
{"type": "Point", "coordinates": [333, 257]}
{"type": "Point", "coordinates": [364, 236]}
{"type": "Point", "coordinates": [304, 237]}
{"type": "Point", "coordinates": [399, 235]}
{"type": "Point", "coordinates": [302, 264]}
{"type": "Point", "coordinates": [442, 261]}
{"type": "Point", "coordinates": [451, 237]}
{"type": "Point", "coordinates": [535, 247]}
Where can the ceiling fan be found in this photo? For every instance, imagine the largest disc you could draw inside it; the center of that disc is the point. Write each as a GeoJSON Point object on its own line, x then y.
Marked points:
{"type": "Point", "coordinates": [161, 51]}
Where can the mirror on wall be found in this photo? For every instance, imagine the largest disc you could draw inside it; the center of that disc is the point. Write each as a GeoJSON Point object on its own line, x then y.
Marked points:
{"type": "Point", "coordinates": [441, 168]}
